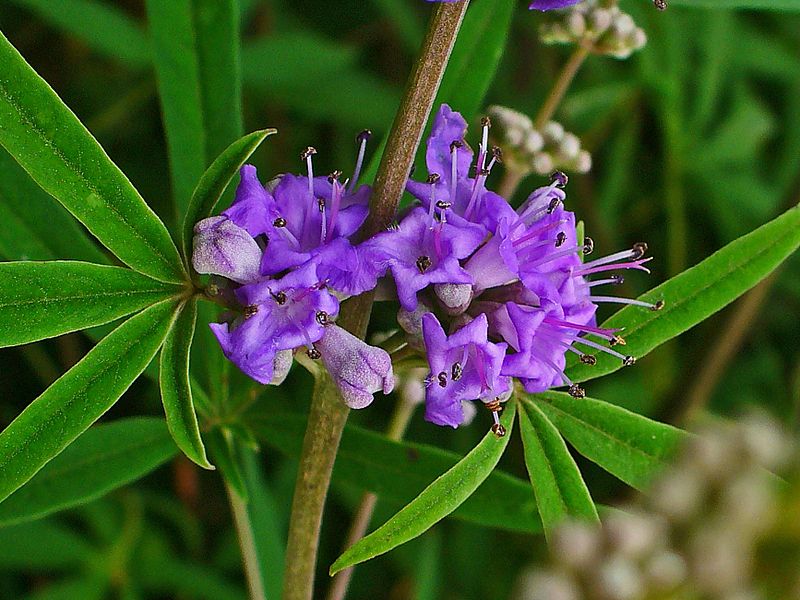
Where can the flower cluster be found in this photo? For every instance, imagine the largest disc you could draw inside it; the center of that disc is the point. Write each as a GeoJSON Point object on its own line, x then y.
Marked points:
{"type": "Point", "coordinates": [598, 25]}
{"type": "Point", "coordinates": [490, 292]}
{"type": "Point", "coordinates": [283, 258]}
{"type": "Point", "coordinates": [716, 524]}
{"type": "Point", "coordinates": [527, 149]}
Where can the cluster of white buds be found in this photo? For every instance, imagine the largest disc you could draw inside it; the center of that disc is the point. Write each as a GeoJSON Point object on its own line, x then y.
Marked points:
{"type": "Point", "coordinates": [717, 525]}
{"type": "Point", "coordinates": [529, 150]}
{"type": "Point", "coordinates": [598, 25]}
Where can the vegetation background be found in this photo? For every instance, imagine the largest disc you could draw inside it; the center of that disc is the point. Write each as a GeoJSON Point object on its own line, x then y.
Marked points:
{"type": "Point", "coordinates": [695, 141]}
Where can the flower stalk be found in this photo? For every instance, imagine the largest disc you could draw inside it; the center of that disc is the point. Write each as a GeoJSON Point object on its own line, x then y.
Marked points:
{"type": "Point", "coordinates": [328, 413]}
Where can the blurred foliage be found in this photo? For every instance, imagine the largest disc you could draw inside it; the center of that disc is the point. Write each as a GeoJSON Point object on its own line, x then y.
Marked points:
{"type": "Point", "coordinates": [695, 141]}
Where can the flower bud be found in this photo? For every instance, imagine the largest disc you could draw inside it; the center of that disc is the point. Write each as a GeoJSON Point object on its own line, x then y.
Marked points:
{"type": "Point", "coordinates": [282, 365]}
{"type": "Point", "coordinates": [223, 248]}
{"type": "Point", "coordinates": [358, 369]}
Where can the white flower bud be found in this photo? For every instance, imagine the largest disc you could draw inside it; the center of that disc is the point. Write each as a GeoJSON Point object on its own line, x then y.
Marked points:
{"type": "Point", "coordinates": [576, 545]}
{"type": "Point", "coordinates": [583, 163]}
{"type": "Point", "coordinates": [624, 25]}
{"type": "Point", "coordinates": [600, 21]}
{"type": "Point", "coordinates": [542, 163]}
{"type": "Point", "coordinates": [634, 535]}
{"type": "Point", "coordinates": [569, 146]}
{"type": "Point", "coordinates": [539, 585]}
{"type": "Point", "coordinates": [618, 578]}
{"type": "Point", "coordinates": [553, 132]}
{"type": "Point", "coordinates": [666, 570]}
{"type": "Point", "coordinates": [533, 141]}
{"type": "Point", "coordinates": [576, 24]}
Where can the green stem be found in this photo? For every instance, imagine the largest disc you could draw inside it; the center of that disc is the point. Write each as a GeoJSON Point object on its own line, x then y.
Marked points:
{"type": "Point", "coordinates": [247, 543]}
{"type": "Point", "coordinates": [397, 429]}
{"type": "Point", "coordinates": [328, 414]}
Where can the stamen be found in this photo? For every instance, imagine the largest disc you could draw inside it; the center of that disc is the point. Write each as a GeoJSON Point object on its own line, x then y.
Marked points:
{"type": "Point", "coordinates": [660, 4]}
{"type": "Point", "coordinates": [337, 192]}
{"type": "Point", "coordinates": [636, 252]}
{"type": "Point", "coordinates": [454, 146]}
{"type": "Point", "coordinates": [456, 371]}
{"type": "Point", "coordinates": [576, 391]}
{"type": "Point", "coordinates": [361, 138]}
{"type": "Point", "coordinates": [279, 222]}
{"type": "Point", "coordinates": [639, 248]}
{"type": "Point", "coordinates": [280, 297]}
{"type": "Point", "coordinates": [306, 155]}
{"type": "Point", "coordinates": [423, 263]}
{"type": "Point", "coordinates": [615, 300]}
{"type": "Point", "coordinates": [637, 264]}
{"type": "Point", "coordinates": [526, 211]}
{"type": "Point", "coordinates": [626, 360]}
{"type": "Point", "coordinates": [618, 339]}
{"type": "Point", "coordinates": [608, 334]}
{"type": "Point", "coordinates": [586, 359]}
{"type": "Point", "coordinates": [533, 232]}
{"type": "Point", "coordinates": [559, 178]}
{"type": "Point", "coordinates": [560, 239]}
{"type": "Point", "coordinates": [486, 123]}
{"type": "Point", "coordinates": [588, 245]}
{"type": "Point", "coordinates": [614, 280]}
{"type": "Point", "coordinates": [476, 189]}
{"type": "Point", "coordinates": [441, 378]}
{"type": "Point", "coordinates": [555, 256]}
{"type": "Point", "coordinates": [323, 318]}
{"type": "Point", "coordinates": [313, 353]}
{"type": "Point", "coordinates": [323, 234]}
{"type": "Point", "coordinates": [250, 310]}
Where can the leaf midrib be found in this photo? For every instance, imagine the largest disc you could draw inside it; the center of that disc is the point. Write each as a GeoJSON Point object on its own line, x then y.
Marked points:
{"type": "Point", "coordinates": [72, 297]}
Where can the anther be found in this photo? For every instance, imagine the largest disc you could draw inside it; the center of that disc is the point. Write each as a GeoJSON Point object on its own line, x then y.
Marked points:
{"type": "Point", "coordinates": [494, 406]}
{"type": "Point", "coordinates": [423, 263]}
{"type": "Point", "coordinates": [660, 4]}
{"type": "Point", "coordinates": [364, 136]}
{"type": "Point", "coordinates": [443, 205]}
{"type": "Point", "coordinates": [310, 151]}
{"type": "Point", "coordinates": [483, 172]}
{"type": "Point", "coordinates": [433, 178]}
{"type": "Point", "coordinates": [279, 222]}
{"type": "Point", "coordinates": [313, 353]}
{"type": "Point", "coordinates": [588, 245]}
{"type": "Point", "coordinates": [455, 144]}
{"type": "Point", "coordinates": [250, 310]}
{"type": "Point", "coordinates": [497, 153]}
{"type": "Point", "coordinates": [576, 391]}
{"type": "Point", "coordinates": [442, 379]}
{"type": "Point", "coordinates": [498, 430]}
{"type": "Point", "coordinates": [212, 290]}
{"type": "Point", "coordinates": [321, 204]}
{"type": "Point", "coordinates": [280, 298]}
{"type": "Point", "coordinates": [559, 178]}
{"type": "Point", "coordinates": [639, 248]}
{"type": "Point", "coordinates": [588, 359]}
{"type": "Point", "coordinates": [486, 122]}
{"type": "Point", "coordinates": [334, 176]}
{"type": "Point", "coordinates": [323, 318]}
{"type": "Point", "coordinates": [456, 371]}
{"type": "Point", "coordinates": [617, 279]}
{"type": "Point", "coordinates": [560, 239]}
{"type": "Point", "coordinates": [553, 205]}
{"type": "Point", "coordinates": [629, 361]}
{"type": "Point", "coordinates": [658, 305]}
{"type": "Point", "coordinates": [617, 339]}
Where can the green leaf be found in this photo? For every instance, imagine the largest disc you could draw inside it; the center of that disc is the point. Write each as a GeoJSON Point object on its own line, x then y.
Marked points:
{"type": "Point", "coordinates": [222, 448]}
{"type": "Point", "coordinates": [698, 292]}
{"type": "Point", "coordinates": [779, 5]}
{"type": "Point", "coordinates": [46, 138]}
{"type": "Point", "coordinates": [101, 26]}
{"type": "Point", "coordinates": [438, 500]}
{"type": "Point", "coordinates": [36, 227]}
{"type": "Point", "coordinates": [557, 482]}
{"type": "Point", "coordinates": [629, 446]}
{"type": "Point", "coordinates": [43, 546]}
{"type": "Point", "coordinates": [196, 51]}
{"type": "Point", "coordinates": [40, 300]}
{"type": "Point", "coordinates": [399, 471]}
{"type": "Point", "coordinates": [176, 392]}
{"type": "Point", "coordinates": [91, 586]}
{"type": "Point", "coordinates": [102, 459]}
{"type": "Point", "coordinates": [80, 396]}
{"type": "Point", "coordinates": [216, 178]}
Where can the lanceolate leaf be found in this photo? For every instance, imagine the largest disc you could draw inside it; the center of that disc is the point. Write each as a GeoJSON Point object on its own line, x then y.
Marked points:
{"type": "Point", "coordinates": [629, 446]}
{"type": "Point", "coordinates": [102, 459]}
{"type": "Point", "coordinates": [39, 300]}
{"type": "Point", "coordinates": [699, 292]}
{"type": "Point", "coordinates": [214, 181]}
{"type": "Point", "coordinates": [80, 396]}
{"type": "Point", "coordinates": [196, 51]}
{"type": "Point", "coordinates": [36, 227]}
{"type": "Point", "coordinates": [46, 138]}
{"type": "Point", "coordinates": [438, 500]}
{"type": "Point", "coordinates": [779, 5]}
{"type": "Point", "coordinates": [399, 471]}
{"type": "Point", "coordinates": [557, 482]}
{"type": "Point", "coordinates": [176, 393]}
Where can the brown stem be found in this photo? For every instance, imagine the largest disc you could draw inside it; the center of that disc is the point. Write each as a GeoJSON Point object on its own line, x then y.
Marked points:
{"type": "Point", "coordinates": [328, 414]}
{"type": "Point", "coordinates": [397, 429]}
{"type": "Point", "coordinates": [509, 183]}
{"type": "Point", "coordinates": [560, 87]}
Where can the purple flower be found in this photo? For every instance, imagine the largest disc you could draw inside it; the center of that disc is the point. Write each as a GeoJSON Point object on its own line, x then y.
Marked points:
{"type": "Point", "coordinates": [464, 366]}
{"type": "Point", "coordinates": [223, 248]}
{"type": "Point", "coordinates": [423, 251]}
{"type": "Point", "coordinates": [358, 369]}
{"type": "Point", "coordinates": [279, 314]}
{"type": "Point", "coordinates": [551, 4]}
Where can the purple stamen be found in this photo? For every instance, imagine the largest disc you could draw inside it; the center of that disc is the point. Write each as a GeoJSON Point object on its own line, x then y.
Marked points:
{"type": "Point", "coordinates": [362, 149]}
{"type": "Point", "coordinates": [616, 300]}
{"type": "Point", "coordinates": [336, 200]}
{"type": "Point", "coordinates": [637, 264]}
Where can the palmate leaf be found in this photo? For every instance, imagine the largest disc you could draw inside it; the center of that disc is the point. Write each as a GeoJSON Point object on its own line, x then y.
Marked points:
{"type": "Point", "coordinates": [80, 396]}
{"type": "Point", "coordinates": [437, 501]}
{"type": "Point", "coordinates": [698, 292]}
{"type": "Point", "coordinates": [40, 300]}
{"type": "Point", "coordinates": [217, 177]}
{"type": "Point", "coordinates": [399, 471]}
{"type": "Point", "coordinates": [176, 391]}
{"type": "Point", "coordinates": [196, 53]}
{"type": "Point", "coordinates": [629, 446]}
{"type": "Point", "coordinates": [102, 459]}
{"type": "Point", "coordinates": [557, 482]}
{"type": "Point", "coordinates": [52, 145]}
